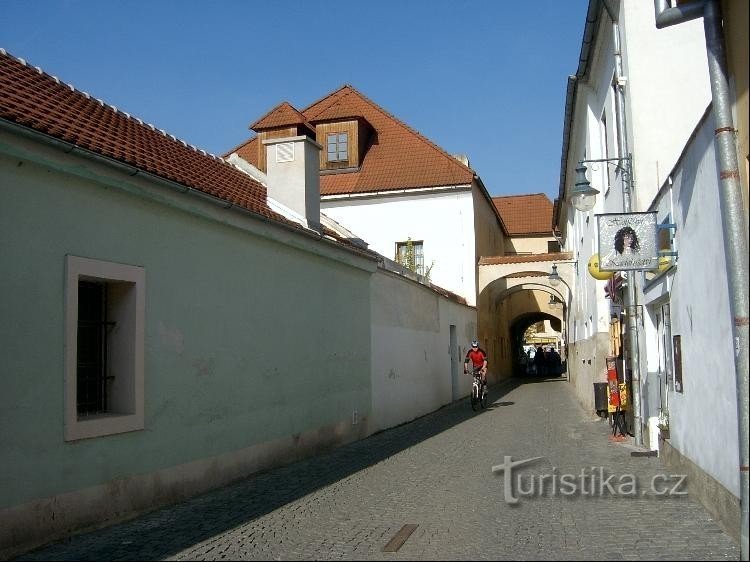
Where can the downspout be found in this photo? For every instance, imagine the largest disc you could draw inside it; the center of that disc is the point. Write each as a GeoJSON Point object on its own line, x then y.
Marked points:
{"type": "Point", "coordinates": [627, 206]}
{"type": "Point", "coordinates": [733, 219]}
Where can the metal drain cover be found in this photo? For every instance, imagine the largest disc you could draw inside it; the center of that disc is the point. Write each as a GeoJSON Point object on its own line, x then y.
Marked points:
{"type": "Point", "coordinates": [400, 538]}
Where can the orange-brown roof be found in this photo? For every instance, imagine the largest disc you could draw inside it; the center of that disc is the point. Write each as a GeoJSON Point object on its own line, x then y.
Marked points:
{"type": "Point", "coordinates": [400, 159]}
{"type": "Point", "coordinates": [525, 258]}
{"type": "Point", "coordinates": [34, 99]}
{"type": "Point", "coordinates": [283, 115]}
{"type": "Point", "coordinates": [526, 215]}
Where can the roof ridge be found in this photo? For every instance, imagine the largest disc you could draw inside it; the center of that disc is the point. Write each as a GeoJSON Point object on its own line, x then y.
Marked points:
{"type": "Point", "coordinates": [521, 195]}
{"type": "Point", "coordinates": [88, 96]}
{"type": "Point", "coordinates": [284, 105]}
{"type": "Point", "coordinates": [406, 126]}
{"type": "Point", "coordinates": [321, 99]}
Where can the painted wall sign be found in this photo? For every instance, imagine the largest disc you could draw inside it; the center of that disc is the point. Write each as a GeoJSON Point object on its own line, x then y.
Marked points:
{"type": "Point", "coordinates": [627, 241]}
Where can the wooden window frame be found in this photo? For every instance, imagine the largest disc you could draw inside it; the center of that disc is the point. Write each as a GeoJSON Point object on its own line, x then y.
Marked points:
{"type": "Point", "coordinates": [337, 143]}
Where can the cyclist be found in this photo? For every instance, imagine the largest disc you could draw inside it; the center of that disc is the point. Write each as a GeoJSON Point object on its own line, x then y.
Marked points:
{"type": "Point", "coordinates": [478, 359]}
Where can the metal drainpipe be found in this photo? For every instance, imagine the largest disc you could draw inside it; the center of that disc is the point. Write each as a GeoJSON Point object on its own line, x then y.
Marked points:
{"type": "Point", "coordinates": [627, 184]}
{"type": "Point", "coordinates": [733, 217]}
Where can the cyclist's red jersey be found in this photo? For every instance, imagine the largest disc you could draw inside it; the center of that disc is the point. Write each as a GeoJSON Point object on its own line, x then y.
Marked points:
{"type": "Point", "coordinates": [477, 357]}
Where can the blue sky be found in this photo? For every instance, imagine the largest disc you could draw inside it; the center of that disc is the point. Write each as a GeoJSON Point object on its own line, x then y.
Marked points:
{"type": "Point", "coordinates": [485, 78]}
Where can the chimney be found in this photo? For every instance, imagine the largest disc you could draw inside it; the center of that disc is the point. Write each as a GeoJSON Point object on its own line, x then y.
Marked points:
{"type": "Point", "coordinates": [463, 159]}
{"type": "Point", "coordinates": [293, 172]}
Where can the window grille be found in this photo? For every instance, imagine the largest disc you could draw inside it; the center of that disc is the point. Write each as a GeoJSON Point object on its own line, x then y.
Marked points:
{"type": "Point", "coordinates": [338, 147]}
{"type": "Point", "coordinates": [91, 366]}
{"type": "Point", "coordinates": [410, 254]}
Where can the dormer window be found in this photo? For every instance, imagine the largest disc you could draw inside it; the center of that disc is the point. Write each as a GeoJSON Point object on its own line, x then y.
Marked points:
{"type": "Point", "coordinates": [338, 147]}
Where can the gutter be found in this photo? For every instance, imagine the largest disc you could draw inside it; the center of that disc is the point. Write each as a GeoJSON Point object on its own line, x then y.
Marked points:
{"type": "Point", "coordinates": [385, 193]}
{"type": "Point", "coordinates": [132, 171]}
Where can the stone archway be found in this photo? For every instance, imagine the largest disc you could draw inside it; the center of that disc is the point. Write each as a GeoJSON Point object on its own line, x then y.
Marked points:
{"type": "Point", "coordinates": [510, 289]}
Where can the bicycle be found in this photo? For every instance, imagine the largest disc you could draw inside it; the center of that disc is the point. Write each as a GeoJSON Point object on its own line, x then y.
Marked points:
{"type": "Point", "coordinates": [478, 391]}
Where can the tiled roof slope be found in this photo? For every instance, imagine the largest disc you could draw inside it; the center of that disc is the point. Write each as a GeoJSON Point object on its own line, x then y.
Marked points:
{"type": "Point", "coordinates": [401, 158]}
{"type": "Point", "coordinates": [281, 116]}
{"type": "Point", "coordinates": [526, 215]}
{"type": "Point", "coordinates": [527, 258]}
{"type": "Point", "coordinates": [34, 99]}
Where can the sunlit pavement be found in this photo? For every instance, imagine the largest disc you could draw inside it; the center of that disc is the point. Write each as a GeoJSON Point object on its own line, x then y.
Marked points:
{"type": "Point", "coordinates": [436, 473]}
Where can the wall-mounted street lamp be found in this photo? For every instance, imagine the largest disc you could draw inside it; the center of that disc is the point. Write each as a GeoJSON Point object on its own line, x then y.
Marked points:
{"type": "Point", "coordinates": [555, 279]}
{"type": "Point", "coordinates": [583, 196]}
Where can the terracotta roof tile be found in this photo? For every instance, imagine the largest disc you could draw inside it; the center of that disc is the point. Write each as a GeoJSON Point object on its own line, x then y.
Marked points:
{"type": "Point", "coordinates": [282, 115]}
{"type": "Point", "coordinates": [34, 99]}
{"type": "Point", "coordinates": [527, 258]}
{"type": "Point", "coordinates": [525, 214]}
{"type": "Point", "coordinates": [400, 159]}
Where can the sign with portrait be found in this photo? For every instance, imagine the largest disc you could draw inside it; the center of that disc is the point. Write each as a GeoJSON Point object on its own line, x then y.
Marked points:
{"type": "Point", "coordinates": [627, 241]}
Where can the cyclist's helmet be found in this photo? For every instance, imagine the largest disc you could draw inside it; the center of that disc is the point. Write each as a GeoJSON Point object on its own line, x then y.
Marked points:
{"type": "Point", "coordinates": [474, 343]}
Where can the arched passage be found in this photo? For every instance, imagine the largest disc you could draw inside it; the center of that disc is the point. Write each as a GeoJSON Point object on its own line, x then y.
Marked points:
{"type": "Point", "coordinates": [508, 305]}
{"type": "Point", "coordinates": [518, 328]}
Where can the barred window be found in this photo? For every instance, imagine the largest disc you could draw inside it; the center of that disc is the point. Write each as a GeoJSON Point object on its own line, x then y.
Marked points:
{"type": "Point", "coordinates": [410, 254]}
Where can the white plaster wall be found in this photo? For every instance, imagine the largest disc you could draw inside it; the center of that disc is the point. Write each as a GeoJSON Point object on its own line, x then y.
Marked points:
{"type": "Point", "coordinates": [529, 244]}
{"type": "Point", "coordinates": [296, 183]}
{"type": "Point", "coordinates": [589, 311]}
{"type": "Point", "coordinates": [411, 360]}
{"type": "Point", "coordinates": [703, 419]}
{"type": "Point", "coordinates": [444, 221]}
{"type": "Point", "coordinates": [489, 237]}
{"type": "Point", "coordinates": [667, 92]}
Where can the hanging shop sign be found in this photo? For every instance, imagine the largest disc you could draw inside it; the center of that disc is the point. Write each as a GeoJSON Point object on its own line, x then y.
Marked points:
{"type": "Point", "coordinates": [627, 241]}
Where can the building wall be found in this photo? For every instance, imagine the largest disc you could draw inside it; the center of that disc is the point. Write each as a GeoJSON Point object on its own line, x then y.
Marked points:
{"type": "Point", "coordinates": [494, 335]}
{"type": "Point", "coordinates": [704, 415]}
{"type": "Point", "coordinates": [667, 92]}
{"type": "Point", "coordinates": [493, 331]}
{"type": "Point", "coordinates": [443, 220]}
{"type": "Point", "coordinates": [251, 359]}
{"type": "Point", "coordinates": [528, 244]}
{"type": "Point", "coordinates": [490, 240]}
{"type": "Point", "coordinates": [412, 370]}
{"type": "Point", "coordinates": [587, 365]}
{"type": "Point", "coordinates": [246, 365]}
{"type": "Point", "coordinates": [735, 17]}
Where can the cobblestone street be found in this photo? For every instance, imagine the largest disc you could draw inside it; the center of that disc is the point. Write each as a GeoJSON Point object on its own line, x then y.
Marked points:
{"type": "Point", "coordinates": [436, 473]}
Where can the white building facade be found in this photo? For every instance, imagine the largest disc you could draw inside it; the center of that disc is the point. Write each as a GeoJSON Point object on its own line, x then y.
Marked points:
{"type": "Point", "coordinates": [640, 98]}
{"type": "Point", "coordinates": [441, 221]}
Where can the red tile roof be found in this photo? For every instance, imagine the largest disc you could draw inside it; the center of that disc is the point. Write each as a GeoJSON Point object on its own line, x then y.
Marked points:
{"type": "Point", "coordinates": [34, 99]}
{"type": "Point", "coordinates": [526, 215]}
{"type": "Point", "coordinates": [401, 158]}
{"type": "Point", "coordinates": [527, 258]}
{"type": "Point", "coordinates": [282, 115]}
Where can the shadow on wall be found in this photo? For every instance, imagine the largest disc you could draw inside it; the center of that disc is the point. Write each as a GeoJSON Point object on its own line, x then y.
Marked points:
{"type": "Point", "coordinates": [167, 531]}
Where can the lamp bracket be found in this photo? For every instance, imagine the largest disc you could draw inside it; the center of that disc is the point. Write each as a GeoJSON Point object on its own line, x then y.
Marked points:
{"type": "Point", "coordinates": [614, 161]}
